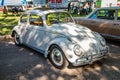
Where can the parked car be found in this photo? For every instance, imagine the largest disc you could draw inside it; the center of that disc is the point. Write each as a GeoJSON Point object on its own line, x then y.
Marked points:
{"type": "Point", "coordinates": [55, 34]}
{"type": "Point", "coordinates": [106, 21]}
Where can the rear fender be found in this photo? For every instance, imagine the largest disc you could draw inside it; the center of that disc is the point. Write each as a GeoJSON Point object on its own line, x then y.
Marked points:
{"type": "Point", "coordinates": [17, 30]}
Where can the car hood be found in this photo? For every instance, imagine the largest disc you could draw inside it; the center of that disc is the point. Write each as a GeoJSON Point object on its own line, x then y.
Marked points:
{"type": "Point", "coordinates": [69, 28]}
{"type": "Point", "coordinates": [79, 34]}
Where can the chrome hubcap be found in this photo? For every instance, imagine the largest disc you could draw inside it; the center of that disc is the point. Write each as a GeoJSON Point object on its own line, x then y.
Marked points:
{"type": "Point", "coordinates": [57, 57]}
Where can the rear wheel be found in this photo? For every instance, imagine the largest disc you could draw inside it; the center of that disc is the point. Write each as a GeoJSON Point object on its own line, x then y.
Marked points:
{"type": "Point", "coordinates": [57, 58]}
{"type": "Point", "coordinates": [17, 39]}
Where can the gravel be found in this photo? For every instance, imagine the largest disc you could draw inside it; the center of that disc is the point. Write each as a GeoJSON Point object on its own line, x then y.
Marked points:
{"type": "Point", "coordinates": [22, 63]}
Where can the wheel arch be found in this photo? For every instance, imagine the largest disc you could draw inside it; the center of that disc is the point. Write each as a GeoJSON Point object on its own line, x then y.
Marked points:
{"type": "Point", "coordinates": [18, 32]}
{"type": "Point", "coordinates": [63, 60]}
{"type": "Point", "coordinates": [56, 41]}
{"type": "Point", "coordinates": [63, 44]}
{"type": "Point", "coordinates": [13, 33]}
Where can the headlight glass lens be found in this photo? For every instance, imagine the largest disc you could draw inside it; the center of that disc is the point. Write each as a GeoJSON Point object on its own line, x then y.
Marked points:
{"type": "Point", "coordinates": [101, 39]}
{"type": "Point", "coordinates": [77, 50]}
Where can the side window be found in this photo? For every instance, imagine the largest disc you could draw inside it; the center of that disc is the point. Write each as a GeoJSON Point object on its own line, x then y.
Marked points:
{"type": "Point", "coordinates": [36, 20]}
{"type": "Point", "coordinates": [101, 14]}
{"type": "Point", "coordinates": [106, 14]}
{"type": "Point", "coordinates": [94, 16]}
{"type": "Point", "coordinates": [24, 18]}
{"type": "Point", "coordinates": [51, 19]}
{"type": "Point", "coordinates": [64, 16]}
{"type": "Point", "coordinates": [118, 15]}
{"type": "Point", "coordinates": [111, 14]}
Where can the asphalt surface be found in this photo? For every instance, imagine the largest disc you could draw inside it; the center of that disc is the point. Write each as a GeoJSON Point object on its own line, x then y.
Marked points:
{"type": "Point", "coordinates": [22, 63]}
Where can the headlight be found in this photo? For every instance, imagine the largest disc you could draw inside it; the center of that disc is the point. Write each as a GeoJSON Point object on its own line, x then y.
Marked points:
{"type": "Point", "coordinates": [77, 50]}
{"type": "Point", "coordinates": [102, 41]}
{"type": "Point", "coordinates": [100, 38]}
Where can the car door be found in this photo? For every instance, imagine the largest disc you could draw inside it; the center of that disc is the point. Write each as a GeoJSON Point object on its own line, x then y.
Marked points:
{"type": "Point", "coordinates": [116, 25]}
{"type": "Point", "coordinates": [36, 32]}
{"type": "Point", "coordinates": [102, 21]}
{"type": "Point", "coordinates": [88, 22]}
{"type": "Point", "coordinates": [23, 23]}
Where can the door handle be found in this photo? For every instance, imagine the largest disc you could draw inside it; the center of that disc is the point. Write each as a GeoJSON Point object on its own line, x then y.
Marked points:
{"type": "Point", "coordinates": [27, 29]}
{"type": "Point", "coordinates": [116, 24]}
{"type": "Point", "coordinates": [93, 22]}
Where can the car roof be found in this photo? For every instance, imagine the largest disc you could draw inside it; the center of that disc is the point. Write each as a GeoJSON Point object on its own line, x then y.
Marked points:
{"type": "Point", "coordinates": [113, 8]}
{"type": "Point", "coordinates": [109, 8]}
{"type": "Point", "coordinates": [44, 11]}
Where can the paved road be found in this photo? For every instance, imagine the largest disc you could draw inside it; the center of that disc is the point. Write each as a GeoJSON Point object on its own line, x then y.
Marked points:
{"type": "Point", "coordinates": [22, 63]}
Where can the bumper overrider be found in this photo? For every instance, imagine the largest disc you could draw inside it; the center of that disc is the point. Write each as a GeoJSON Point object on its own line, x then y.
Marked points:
{"type": "Point", "coordinates": [91, 58]}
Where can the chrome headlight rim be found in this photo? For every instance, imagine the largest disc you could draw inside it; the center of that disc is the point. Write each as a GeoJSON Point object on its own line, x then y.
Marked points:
{"type": "Point", "coordinates": [102, 41]}
{"type": "Point", "coordinates": [100, 38]}
{"type": "Point", "coordinates": [77, 50]}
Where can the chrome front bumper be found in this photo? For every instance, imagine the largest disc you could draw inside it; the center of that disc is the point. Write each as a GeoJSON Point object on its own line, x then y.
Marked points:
{"type": "Point", "coordinates": [91, 58]}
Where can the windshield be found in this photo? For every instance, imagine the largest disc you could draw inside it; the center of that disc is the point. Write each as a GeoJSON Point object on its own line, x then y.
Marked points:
{"type": "Point", "coordinates": [58, 17]}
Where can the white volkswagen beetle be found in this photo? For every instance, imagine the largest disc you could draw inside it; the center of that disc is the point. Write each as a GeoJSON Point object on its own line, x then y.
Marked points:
{"type": "Point", "coordinates": [55, 34]}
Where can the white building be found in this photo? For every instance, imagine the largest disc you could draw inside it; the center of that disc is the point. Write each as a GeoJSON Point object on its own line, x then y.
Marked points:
{"type": "Point", "coordinates": [108, 3]}
{"type": "Point", "coordinates": [12, 2]}
{"type": "Point", "coordinates": [39, 3]}
{"type": "Point", "coordinates": [52, 3]}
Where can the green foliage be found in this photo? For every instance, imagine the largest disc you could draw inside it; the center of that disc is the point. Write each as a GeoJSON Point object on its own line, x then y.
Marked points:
{"type": "Point", "coordinates": [98, 3]}
{"type": "Point", "coordinates": [7, 22]}
{"type": "Point", "coordinates": [5, 30]}
{"type": "Point", "coordinates": [78, 15]}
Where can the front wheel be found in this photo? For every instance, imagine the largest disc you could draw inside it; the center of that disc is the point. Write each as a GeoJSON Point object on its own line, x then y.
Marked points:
{"type": "Point", "coordinates": [17, 39]}
{"type": "Point", "coordinates": [57, 58]}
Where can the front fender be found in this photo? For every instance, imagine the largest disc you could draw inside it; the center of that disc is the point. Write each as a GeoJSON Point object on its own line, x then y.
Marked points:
{"type": "Point", "coordinates": [65, 44]}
